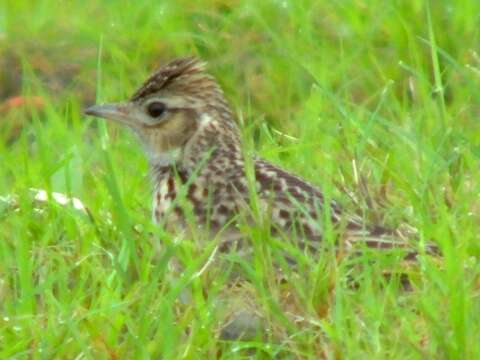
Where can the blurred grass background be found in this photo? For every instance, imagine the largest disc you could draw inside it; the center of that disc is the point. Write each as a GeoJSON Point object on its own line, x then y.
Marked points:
{"type": "Point", "coordinates": [378, 98]}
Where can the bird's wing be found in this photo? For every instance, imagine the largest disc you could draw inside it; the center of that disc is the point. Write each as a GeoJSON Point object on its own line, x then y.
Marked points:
{"type": "Point", "coordinates": [289, 198]}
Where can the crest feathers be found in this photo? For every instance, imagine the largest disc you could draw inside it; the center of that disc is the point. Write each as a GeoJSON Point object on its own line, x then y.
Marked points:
{"type": "Point", "coordinates": [168, 73]}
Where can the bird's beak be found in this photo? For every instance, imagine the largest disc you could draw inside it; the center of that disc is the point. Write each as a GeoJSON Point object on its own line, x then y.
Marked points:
{"type": "Point", "coordinates": [119, 112]}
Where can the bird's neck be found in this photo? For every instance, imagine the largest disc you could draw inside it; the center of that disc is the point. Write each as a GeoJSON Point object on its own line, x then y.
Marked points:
{"type": "Point", "coordinates": [214, 138]}
{"type": "Point", "coordinates": [214, 142]}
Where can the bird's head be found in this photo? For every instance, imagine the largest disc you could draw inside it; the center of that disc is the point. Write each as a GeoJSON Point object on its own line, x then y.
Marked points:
{"type": "Point", "coordinates": [179, 104]}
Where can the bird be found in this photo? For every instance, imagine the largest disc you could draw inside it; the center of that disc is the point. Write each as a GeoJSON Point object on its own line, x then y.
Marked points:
{"type": "Point", "coordinates": [193, 143]}
{"type": "Point", "coordinates": [204, 181]}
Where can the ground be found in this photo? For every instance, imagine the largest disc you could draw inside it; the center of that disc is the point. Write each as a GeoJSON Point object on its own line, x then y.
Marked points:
{"type": "Point", "coordinates": [376, 102]}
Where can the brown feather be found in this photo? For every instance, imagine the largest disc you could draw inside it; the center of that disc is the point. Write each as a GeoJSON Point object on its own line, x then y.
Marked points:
{"type": "Point", "coordinates": [209, 166]}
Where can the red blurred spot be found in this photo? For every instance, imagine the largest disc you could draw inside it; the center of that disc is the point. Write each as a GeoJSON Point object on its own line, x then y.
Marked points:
{"type": "Point", "coordinates": [22, 101]}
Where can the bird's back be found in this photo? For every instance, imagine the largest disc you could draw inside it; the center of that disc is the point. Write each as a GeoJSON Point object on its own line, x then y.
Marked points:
{"type": "Point", "coordinates": [218, 196]}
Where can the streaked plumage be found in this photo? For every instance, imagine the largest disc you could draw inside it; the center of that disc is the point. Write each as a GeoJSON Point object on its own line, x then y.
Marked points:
{"type": "Point", "coordinates": [199, 175]}
{"type": "Point", "coordinates": [193, 143]}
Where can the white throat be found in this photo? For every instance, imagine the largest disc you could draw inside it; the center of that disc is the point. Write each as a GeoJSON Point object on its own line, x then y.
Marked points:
{"type": "Point", "coordinates": [167, 158]}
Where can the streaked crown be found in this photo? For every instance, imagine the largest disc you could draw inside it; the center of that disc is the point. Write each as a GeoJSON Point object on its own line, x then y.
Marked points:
{"type": "Point", "coordinates": [185, 77]}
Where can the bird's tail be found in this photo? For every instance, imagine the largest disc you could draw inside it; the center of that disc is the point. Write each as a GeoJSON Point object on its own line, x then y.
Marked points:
{"type": "Point", "coordinates": [357, 236]}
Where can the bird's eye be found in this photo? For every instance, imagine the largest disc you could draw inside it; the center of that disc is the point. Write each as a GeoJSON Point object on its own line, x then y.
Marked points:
{"type": "Point", "coordinates": [156, 109]}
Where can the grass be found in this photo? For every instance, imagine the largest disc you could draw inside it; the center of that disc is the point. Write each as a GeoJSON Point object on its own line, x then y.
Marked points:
{"type": "Point", "coordinates": [380, 98]}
